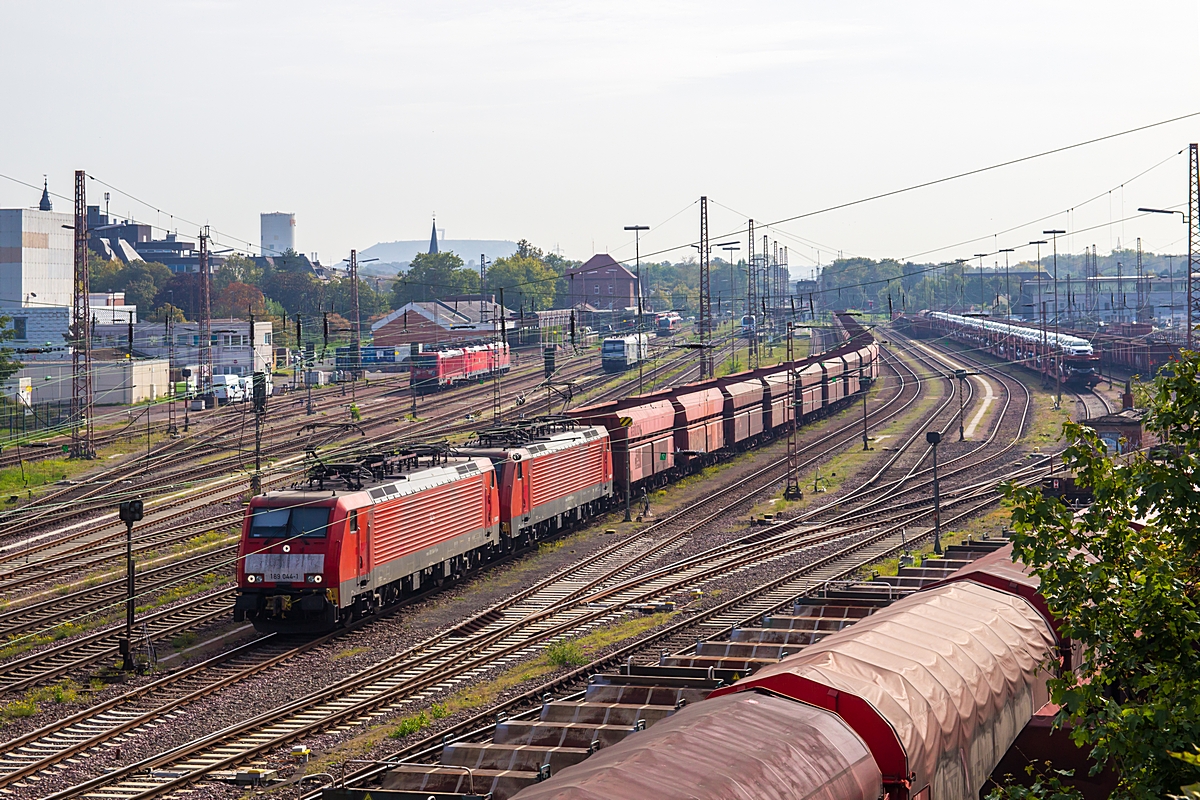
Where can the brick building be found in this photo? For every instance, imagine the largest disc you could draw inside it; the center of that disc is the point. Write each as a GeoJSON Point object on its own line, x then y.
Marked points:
{"type": "Point", "coordinates": [602, 283]}
{"type": "Point", "coordinates": [463, 319]}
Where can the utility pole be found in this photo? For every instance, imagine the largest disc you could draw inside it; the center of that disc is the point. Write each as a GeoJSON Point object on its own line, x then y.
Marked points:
{"type": "Point", "coordinates": [130, 511]}
{"type": "Point", "coordinates": [1057, 350]}
{"type": "Point", "coordinates": [980, 257]}
{"type": "Point", "coordinates": [862, 387]}
{"type": "Point", "coordinates": [705, 315]}
{"type": "Point", "coordinates": [1193, 221]}
{"type": "Point", "coordinates": [1041, 302]}
{"type": "Point", "coordinates": [792, 490]}
{"type": "Point", "coordinates": [637, 260]}
{"type": "Point", "coordinates": [751, 301]}
{"type": "Point", "coordinates": [172, 423]}
{"type": "Point", "coordinates": [501, 347]}
{"type": "Point", "coordinates": [260, 412]}
{"type": "Point", "coordinates": [82, 441]}
{"type": "Point", "coordinates": [356, 323]}
{"type": "Point", "coordinates": [1140, 292]}
{"type": "Point", "coordinates": [961, 374]}
{"type": "Point", "coordinates": [206, 365]}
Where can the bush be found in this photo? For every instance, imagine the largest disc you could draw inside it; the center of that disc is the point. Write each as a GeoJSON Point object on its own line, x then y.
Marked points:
{"type": "Point", "coordinates": [439, 710]}
{"type": "Point", "coordinates": [19, 708]}
{"type": "Point", "coordinates": [566, 654]}
{"type": "Point", "coordinates": [410, 725]}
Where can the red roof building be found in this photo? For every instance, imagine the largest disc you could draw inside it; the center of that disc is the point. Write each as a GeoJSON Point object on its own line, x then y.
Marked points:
{"type": "Point", "coordinates": [602, 283]}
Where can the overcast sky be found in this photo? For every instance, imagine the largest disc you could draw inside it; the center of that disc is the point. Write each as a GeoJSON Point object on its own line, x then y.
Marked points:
{"type": "Point", "coordinates": [563, 122]}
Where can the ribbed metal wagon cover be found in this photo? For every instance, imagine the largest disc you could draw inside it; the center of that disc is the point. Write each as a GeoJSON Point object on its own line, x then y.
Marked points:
{"type": "Point", "coordinates": [748, 746]}
{"type": "Point", "coordinates": [938, 684]}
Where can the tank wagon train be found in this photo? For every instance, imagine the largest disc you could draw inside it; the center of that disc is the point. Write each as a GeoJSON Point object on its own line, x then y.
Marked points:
{"type": "Point", "coordinates": [433, 370]}
{"type": "Point", "coordinates": [1043, 351]}
{"type": "Point", "coordinates": [619, 353]}
{"type": "Point", "coordinates": [919, 700]}
{"type": "Point", "coordinates": [353, 537]}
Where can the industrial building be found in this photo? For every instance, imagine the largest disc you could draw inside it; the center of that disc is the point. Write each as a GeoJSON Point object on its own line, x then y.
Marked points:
{"type": "Point", "coordinates": [232, 353]}
{"type": "Point", "coordinates": [1108, 299]}
{"type": "Point", "coordinates": [36, 256]}
{"type": "Point", "coordinates": [278, 231]}
{"type": "Point", "coordinates": [115, 381]}
{"type": "Point", "coordinates": [602, 283]}
{"type": "Point", "coordinates": [453, 319]}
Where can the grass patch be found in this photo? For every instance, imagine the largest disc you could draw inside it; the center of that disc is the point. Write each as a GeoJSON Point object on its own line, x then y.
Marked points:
{"type": "Point", "coordinates": [349, 652]}
{"type": "Point", "coordinates": [566, 654]}
{"type": "Point", "coordinates": [184, 640]}
{"type": "Point", "coordinates": [575, 652]}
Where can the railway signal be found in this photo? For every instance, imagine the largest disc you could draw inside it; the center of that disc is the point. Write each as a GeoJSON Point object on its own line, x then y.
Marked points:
{"type": "Point", "coordinates": [935, 437]}
{"type": "Point", "coordinates": [130, 511]}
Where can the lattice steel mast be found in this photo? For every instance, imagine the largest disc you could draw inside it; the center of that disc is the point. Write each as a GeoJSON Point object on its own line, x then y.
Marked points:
{"type": "Point", "coordinates": [1193, 221]}
{"type": "Point", "coordinates": [752, 300]}
{"type": "Point", "coordinates": [205, 322]}
{"type": "Point", "coordinates": [82, 443]}
{"type": "Point", "coordinates": [705, 316]}
{"type": "Point", "coordinates": [356, 323]}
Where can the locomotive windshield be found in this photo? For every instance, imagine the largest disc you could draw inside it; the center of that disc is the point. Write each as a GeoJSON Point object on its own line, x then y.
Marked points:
{"type": "Point", "coordinates": [289, 522]}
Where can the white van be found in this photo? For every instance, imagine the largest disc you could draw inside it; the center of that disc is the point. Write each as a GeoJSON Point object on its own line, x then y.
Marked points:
{"type": "Point", "coordinates": [228, 389]}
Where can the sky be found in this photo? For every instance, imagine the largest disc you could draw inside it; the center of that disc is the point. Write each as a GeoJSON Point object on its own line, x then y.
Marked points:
{"type": "Point", "coordinates": [563, 122]}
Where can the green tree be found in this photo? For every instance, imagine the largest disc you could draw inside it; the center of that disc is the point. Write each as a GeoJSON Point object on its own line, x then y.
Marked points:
{"type": "Point", "coordinates": [527, 280]}
{"type": "Point", "coordinates": [432, 276]}
{"type": "Point", "coordinates": [237, 269]}
{"type": "Point", "coordinates": [8, 362]}
{"type": "Point", "coordinates": [1124, 579]}
{"type": "Point", "coordinates": [141, 281]}
{"type": "Point", "coordinates": [295, 291]}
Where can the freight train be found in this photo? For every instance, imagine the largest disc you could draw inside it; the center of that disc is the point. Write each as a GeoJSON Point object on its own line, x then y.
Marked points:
{"type": "Point", "coordinates": [1047, 352]}
{"type": "Point", "coordinates": [619, 353]}
{"type": "Point", "coordinates": [438, 369]}
{"type": "Point", "coordinates": [919, 700]}
{"type": "Point", "coordinates": [353, 537]}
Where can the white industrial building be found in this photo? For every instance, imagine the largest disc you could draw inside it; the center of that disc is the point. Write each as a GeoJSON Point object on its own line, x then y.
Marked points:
{"type": "Point", "coordinates": [118, 382]}
{"type": "Point", "coordinates": [40, 332]}
{"type": "Point", "coordinates": [37, 257]}
{"type": "Point", "coordinates": [278, 232]}
{"type": "Point", "coordinates": [232, 353]}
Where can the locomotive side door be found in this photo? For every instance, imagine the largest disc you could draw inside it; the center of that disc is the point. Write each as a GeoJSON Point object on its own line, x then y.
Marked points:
{"type": "Point", "coordinates": [360, 526]}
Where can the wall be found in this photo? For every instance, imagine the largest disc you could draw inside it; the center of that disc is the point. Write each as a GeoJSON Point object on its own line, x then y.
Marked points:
{"type": "Point", "coordinates": [113, 382]}
{"type": "Point", "coordinates": [231, 352]}
{"type": "Point", "coordinates": [37, 256]}
{"type": "Point", "coordinates": [278, 231]}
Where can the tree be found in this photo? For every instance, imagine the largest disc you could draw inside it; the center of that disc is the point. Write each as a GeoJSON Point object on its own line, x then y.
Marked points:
{"type": "Point", "coordinates": [432, 276]}
{"type": "Point", "coordinates": [8, 364]}
{"type": "Point", "coordinates": [238, 299]}
{"type": "Point", "coordinates": [237, 269]}
{"type": "Point", "coordinates": [1123, 576]}
{"type": "Point", "coordinates": [526, 278]}
{"type": "Point", "coordinates": [141, 281]}
{"type": "Point", "coordinates": [295, 291]}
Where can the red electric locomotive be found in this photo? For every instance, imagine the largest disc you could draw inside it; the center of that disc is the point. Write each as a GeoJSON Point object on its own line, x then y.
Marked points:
{"type": "Point", "coordinates": [356, 536]}
{"type": "Point", "coordinates": [439, 369]}
{"type": "Point", "coordinates": [552, 473]}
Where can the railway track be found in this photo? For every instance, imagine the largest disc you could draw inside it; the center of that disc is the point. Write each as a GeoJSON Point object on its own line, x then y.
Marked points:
{"type": "Point", "coordinates": [719, 564]}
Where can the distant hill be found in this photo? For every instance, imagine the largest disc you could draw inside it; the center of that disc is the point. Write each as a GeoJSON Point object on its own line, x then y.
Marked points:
{"type": "Point", "coordinates": [395, 256]}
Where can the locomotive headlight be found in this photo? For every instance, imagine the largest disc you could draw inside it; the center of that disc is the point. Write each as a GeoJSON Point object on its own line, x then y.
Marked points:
{"type": "Point", "coordinates": [313, 578]}
{"type": "Point", "coordinates": [251, 578]}
{"type": "Point", "coordinates": [287, 548]}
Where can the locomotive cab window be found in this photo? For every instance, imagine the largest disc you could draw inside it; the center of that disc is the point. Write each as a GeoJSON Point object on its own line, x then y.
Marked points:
{"type": "Point", "coordinates": [289, 522]}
